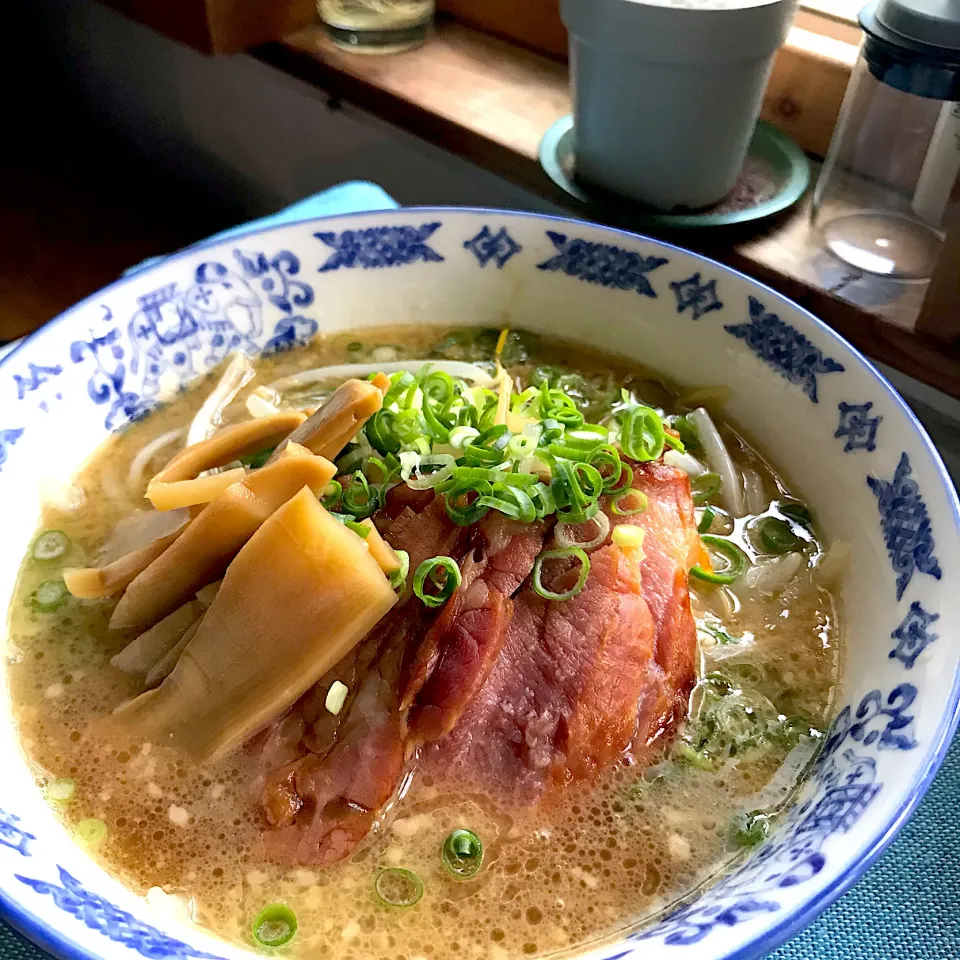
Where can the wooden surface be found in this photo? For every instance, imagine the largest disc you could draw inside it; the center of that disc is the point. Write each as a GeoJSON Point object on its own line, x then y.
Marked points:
{"type": "Point", "coordinates": [219, 26]}
{"type": "Point", "coordinates": [490, 102]}
{"type": "Point", "coordinates": [534, 24]}
{"type": "Point", "coordinates": [72, 222]}
{"type": "Point", "coordinates": [806, 87]}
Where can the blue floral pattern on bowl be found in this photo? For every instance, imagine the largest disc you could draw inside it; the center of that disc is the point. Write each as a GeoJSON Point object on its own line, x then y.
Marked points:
{"type": "Point", "coordinates": [115, 357]}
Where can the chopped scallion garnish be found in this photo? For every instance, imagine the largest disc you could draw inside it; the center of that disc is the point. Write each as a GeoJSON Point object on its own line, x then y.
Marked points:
{"type": "Point", "coordinates": [706, 520]}
{"type": "Point", "coordinates": [50, 545]}
{"type": "Point", "coordinates": [749, 829]}
{"type": "Point", "coordinates": [359, 499]}
{"type": "Point", "coordinates": [462, 854]}
{"type": "Point", "coordinates": [736, 561]}
{"type": "Point", "coordinates": [61, 790]}
{"type": "Point", "coordinates": [332, 495]}
{"type": "Point", "coordinates": [440, 573]}
{"type": "Point", "coordinates": [797, 512]}
{"type": "Point", "coordinates": [704, 487]}
{"type": "Point", "coordinates": [777, 535]}
{"type": "Point", "coordinates": [275, 925]}
{"type": "Point", "coordinates": [562, 554]}
{"type": "Point", "coordinates": [398, 578]}
{"type": "Point", "coordinates": [256, 460]}
{"type": "Point", "coordinates": [629, 502]}
{"type": "Point", "coordinates": [642, 436]}
{"type": "Point", "coordinates": [398, 887]}
{"type": "Point", "coordinates": [49, 595]}
{"type": "Point", "coordinates": [91, 832]}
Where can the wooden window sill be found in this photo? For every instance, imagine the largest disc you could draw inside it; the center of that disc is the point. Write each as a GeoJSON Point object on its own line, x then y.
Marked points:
{"type": "Point", "coordinates": [490, 102]}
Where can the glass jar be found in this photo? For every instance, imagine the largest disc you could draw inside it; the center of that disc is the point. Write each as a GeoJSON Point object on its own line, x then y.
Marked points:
{"type": "Point", "coordinates": [895, 152]}
{"type": "Point", "coordinates": [377, 26]}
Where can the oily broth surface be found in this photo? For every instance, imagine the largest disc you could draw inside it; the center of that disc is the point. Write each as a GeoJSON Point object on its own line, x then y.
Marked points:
{"type": "Point", "coordinates": [578, 869]}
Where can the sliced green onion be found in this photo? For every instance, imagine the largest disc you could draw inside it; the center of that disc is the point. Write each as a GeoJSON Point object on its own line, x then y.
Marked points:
{"type": "Point", "coordinates": [398, 887]}
{"type": "Point", "coordinates": [689, 755]}
{"type": "Point", "coordinates": [488, 449]}
{"type": "Point", "coordinates": [717, 632]}
{"type": "Point", "coordinates": [523, 444]}
{"type": "Point", "coordinates": [626, 479]}
{"type": "Point", "coordinates": [674, 443]}
{"type": "Point", "coordinates": [358, 498]}
{"type": "Point", "coordinates": [578, 452]}
{"type": "Point", "coordinates": [49, 595]}
{"type": "Point", "coordinates": [556, 405]}
{"type": "Point", "coordinates": [704, 487]}
{"type": "Point", "coordinates": [562, 554]}
{"type": "Point", "coordinates": [510, 500]}
{"type": "Point", "coordinates": [620, 504]}
{"type": "Point", "coordinates": [576, 488]}
{"type": "Point", "coordinates": [749, 829]}
{"type": "Point", "coordinates": [358, 528]}
{"type": "Point", "coordinates": [91, 832]}
{"type": "Point", "coordinates": [562, 533]}
{"type": "Point", "coordinates": [462, 501]}
{"type": "Point", "coordinates": [400, 382]}
{"type": "Point", "coordinates": [379, 432]}
{"type": "Point", "coordinates": [398, 579]}
{"type": "Point", "coordinates": [388, 467]}
{"type": "Point", "coordinates": [642, 436]}
{"type": "Point", "coordinates": [543, 500]}
{"type": "Point", "coordinates": [275, 926]}
{"type": "Point", "coordinates": [50, 545]}
{"type": "Point", "coordinates": [797, 512]}
{"type": "Point", "coordinates": [706, 520]}
{"type": "Point", "coordinates": [687, 431]}
{"type": "Point", "coordinates": [460, 435]}
{"type": "Point", "coordinates": [332, 495]}
{"type": "Point", "coordinates": [606, 458]}
{"type": "Point", "coordinates": [578, 514]}
{"type": "Point", "coordinates": [777, 535]}
{"type": "Point", "coordinates": [432, 471]}
{"type": "Point", "coordinates": [352, 458]}
{"type": "Point", "coordinates": [408, 426]}
{"type": "Point", "coordinates": [61, 790]}
{"type": "Point", "coordinates": [462, 854]}
{"type": "Point", "coordinates": [736, 561]}
{"type": "Point", "coordinates": [256, 460]}
{"type": "Point", "coordinates": [550, 430]}
{"type": "Point", "coordinates": [443, 575]}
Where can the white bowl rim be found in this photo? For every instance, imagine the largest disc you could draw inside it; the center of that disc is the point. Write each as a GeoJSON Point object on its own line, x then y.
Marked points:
{"type": "Point", "coordinates": [52, 940]}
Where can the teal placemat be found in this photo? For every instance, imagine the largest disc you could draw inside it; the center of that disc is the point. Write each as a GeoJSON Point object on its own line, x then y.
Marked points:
{"type": "Point", "coordinates": [907, 907]}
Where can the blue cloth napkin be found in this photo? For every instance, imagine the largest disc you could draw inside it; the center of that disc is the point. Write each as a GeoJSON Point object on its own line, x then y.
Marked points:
{"type": "Point", "coordinates": [907, 907]}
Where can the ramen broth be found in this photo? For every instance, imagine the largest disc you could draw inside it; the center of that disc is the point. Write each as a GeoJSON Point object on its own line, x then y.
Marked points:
{"type": "Point", "coordinates": [579, 867]}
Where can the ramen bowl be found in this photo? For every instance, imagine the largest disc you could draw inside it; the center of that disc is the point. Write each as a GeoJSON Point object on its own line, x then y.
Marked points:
{"type": "Point", "coordinates": [810, 402]}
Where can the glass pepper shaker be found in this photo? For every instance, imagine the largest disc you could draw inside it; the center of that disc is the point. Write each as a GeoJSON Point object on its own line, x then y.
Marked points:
{"type": "Point", "coordinates": [895, 152]}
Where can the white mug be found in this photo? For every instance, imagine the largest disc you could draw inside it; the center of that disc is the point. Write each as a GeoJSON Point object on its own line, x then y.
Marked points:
{"type": "Point", "coordinates": [666, 97]}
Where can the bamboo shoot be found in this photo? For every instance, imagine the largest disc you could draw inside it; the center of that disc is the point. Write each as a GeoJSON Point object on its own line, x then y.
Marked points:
{"type": "Point", "coordinates": [298, 597]}
{"type": "Point", "coordinates": [213, 539]}
{"type": "Point", "coordinates": [337, 421]}
{"type": "Point", "coordinates": [144, 653]}
{"type": "Point", "coordinates": [229, 444]}
{"type": "Point", "coordinates": [92, 583]}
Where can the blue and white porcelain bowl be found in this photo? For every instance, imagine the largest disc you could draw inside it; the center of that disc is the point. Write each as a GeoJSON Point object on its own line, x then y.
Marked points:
{"type": "Point", "coordinates": [812, 403]}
